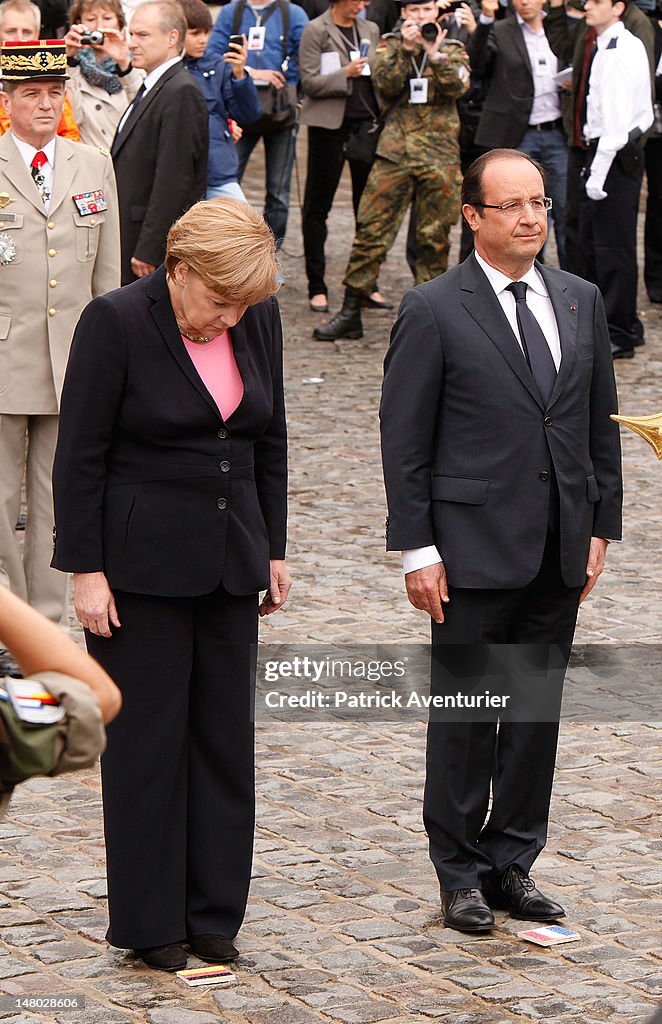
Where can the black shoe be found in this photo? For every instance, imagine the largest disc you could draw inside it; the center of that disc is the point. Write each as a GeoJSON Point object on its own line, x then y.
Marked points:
{"type": "Point", "coordinates": [466, 910]}
{"type": "Point", "coordinates": [8, 666]}
{"type": "Point", "coordinates": [346, 323]}
{"type": "Point", "coordinates": [517, 893]}
{"type": "Point", "coordinates": [21, 522]}
{"type": "Point", "coordinates": [655, 297]}
{"type": "Point", "coordinates": [622, 353]}
{"type": "Point", "coordinates": [214, 948]}
{"type": "Point", "coordinates": [164, 958]}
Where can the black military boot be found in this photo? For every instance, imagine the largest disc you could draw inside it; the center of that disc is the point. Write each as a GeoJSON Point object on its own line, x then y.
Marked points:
{"type": "Point", "coordinates": [346, 323]}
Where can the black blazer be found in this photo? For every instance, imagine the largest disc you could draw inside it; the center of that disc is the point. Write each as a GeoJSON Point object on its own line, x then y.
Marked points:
{"type": "Point", "coordinates": [160, 160]}
{"type": "Point", "coordinates": [469, 448]}
{"type": "Point", "coordinates": [150, 484]}
{"type": "Point", "coordinates": [498, 52]}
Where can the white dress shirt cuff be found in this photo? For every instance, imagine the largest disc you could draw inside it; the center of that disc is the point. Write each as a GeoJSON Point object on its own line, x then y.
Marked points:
{"type": "Point", "coordinates": [419, 558]}
{"type": "Point", "coordinates": [484, 19]}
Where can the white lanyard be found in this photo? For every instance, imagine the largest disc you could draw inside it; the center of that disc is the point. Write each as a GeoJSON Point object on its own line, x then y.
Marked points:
{"type": "Point", "coordinates": [419, 71]}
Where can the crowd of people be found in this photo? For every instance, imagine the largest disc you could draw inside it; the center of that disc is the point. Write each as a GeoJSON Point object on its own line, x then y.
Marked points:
{"type": "Point", "coordinates": [127, 130]}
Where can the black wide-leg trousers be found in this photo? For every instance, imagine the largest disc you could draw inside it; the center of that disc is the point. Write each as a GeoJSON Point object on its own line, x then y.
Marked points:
{"type": "Point", "coordinates": [178, 773]}
{"type": "Point", "coordinates": [513, 756]}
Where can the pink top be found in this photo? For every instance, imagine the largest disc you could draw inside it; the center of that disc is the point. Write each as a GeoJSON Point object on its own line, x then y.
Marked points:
{"type": "Point", "coordinates": [215, 362]}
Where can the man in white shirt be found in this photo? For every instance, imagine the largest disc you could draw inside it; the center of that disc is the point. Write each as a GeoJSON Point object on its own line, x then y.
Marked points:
{"type": "Point", "coordinates": [522, 107]}
{"type": "Point", "coordinates": [619, 111]}
{"type": "Point", "coordinates": [59, 248]}
{"type": "Point", "coordinates": [503, 481]}
{"type": "Point", "coordinates": [160, 148]}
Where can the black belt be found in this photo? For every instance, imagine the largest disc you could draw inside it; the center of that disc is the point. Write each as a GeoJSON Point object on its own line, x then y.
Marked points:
{"type": "Point", "coordinates": [547, 126]}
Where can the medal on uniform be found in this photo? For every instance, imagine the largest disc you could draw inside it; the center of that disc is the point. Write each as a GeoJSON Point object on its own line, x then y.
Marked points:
{"type": "Point", "coordinates": [88, 203]}
{"type": "Point", "coordinates": [7, 249]}
{"type": "Point", "coordinates": [5, 200]}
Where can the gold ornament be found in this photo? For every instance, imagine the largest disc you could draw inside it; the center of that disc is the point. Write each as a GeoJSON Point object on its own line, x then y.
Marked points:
{"type": "Point", "coordinates": [648, 427]}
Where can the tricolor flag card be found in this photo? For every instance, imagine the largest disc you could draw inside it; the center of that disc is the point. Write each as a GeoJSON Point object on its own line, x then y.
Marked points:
{"type": "Point", "coordinates": [550, 935]}
{"type": "Point", "coordinates": [213, 974]}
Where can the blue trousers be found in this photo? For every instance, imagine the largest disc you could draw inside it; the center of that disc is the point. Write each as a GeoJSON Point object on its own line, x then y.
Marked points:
{"type": "Point", "coordinates": [550, 148]}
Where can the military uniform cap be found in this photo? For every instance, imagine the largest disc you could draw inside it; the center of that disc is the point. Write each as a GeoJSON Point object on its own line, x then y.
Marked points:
{"type": "Point", "coordinates": [41, 59]}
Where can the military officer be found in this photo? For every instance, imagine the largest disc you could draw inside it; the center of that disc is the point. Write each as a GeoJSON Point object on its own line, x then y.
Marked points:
{"type": "Point", "coordinates": [59, 248]}
{"type": "Point", "coordinates": [420, 75]}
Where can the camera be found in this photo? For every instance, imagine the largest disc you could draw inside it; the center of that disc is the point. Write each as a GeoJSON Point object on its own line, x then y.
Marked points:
{"type": "Point", "coordinates": [430, 31]}
{"type": "Point", "coordinates": [94, 38]}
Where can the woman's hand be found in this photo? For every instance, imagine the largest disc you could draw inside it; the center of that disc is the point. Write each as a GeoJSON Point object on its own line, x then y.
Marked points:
{"type": "Point", "coordinates": [72, 40]}
{"type": "Point", "coordinates": [355, 67]}
{"type": "Point", "coordinates": [236, 57]}
{"type": "Point", "coordinates": [94, 603]}
{"type": "Point", "coordinates": [279, 588]}
{"type": "Point", "coordinates": [115, 47]}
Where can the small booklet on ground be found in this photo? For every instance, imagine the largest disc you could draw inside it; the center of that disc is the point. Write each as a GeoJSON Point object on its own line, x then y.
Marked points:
{"type": "Point", "coordinates": [550, 935]}
{"type": "Point", "coordinates": [213, 974]}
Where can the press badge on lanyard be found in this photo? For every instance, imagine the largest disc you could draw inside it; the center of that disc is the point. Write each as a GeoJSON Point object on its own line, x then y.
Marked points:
{"type": "Point", "coordinates": [418, 86]}
{"type": "Point", "coordinates": [256, 36]}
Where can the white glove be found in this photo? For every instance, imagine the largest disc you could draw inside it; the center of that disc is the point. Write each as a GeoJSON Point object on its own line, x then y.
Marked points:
{"type": "Point", "coordinates": [593, 189]}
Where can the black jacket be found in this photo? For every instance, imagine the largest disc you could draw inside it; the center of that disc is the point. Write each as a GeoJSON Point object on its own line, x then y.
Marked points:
{"type": "Point", "coordinates": [499, 54]}
{"type": "Point", "coordinates": [160, 160]}
{"type": "Point", "coordinates": [150, 484]}
{"type": "Point", "coordinates": [469, 455]}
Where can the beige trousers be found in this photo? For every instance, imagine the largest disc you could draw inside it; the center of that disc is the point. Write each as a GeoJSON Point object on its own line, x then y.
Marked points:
{"type": "Point", "coordinates": [27, 448]}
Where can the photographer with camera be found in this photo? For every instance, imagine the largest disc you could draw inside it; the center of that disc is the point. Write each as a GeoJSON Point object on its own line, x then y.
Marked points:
{"type": "Point", "coordinates": [102, 80]}
{"type": "Point", "coordinates": [420, 74]}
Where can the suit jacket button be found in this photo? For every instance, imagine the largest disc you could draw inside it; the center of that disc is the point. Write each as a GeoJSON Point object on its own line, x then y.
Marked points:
{"type": "Point", "coordinates": [52, 252]}
{"type": "Point", "coordinates": [548, 421]}
{"type": "Point", "coordinates": [52, 283]}
{"type": "Point", "coordinates": [222, 503]}
{"type": "Point", "coordinates": [51, 224]}
{"type": "Point", "coordinates": [222, 433]}
{"type": "Point", "coordinates": [52, 312]}
{"type": "Point", "coordinates": [224, 467]}
{"type": "Point", "coordinates": [543, 475]}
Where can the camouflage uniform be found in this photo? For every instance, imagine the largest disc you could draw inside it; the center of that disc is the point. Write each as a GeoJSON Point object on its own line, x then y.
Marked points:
{"type": "Point", "coordinates": [418, 152]}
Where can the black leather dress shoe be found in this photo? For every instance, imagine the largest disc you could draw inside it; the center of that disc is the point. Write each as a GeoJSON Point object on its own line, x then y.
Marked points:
{"type": "Point", "coordinates": [466, 910]}
{"type": "Point", "coordinates": [164, 958]}
{"type": "Point", "coordinates": [517, 893]}
{"type": "Point", "coordinates": [213, 948]}
{"type": "Point", "coordinates": [369, 303]}
{"type": "Point", "coordinates": [622, 353]}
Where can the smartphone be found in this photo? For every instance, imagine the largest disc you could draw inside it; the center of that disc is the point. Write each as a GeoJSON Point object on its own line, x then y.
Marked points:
{"type": "Point", "coordinates": [364, 47]}
{"type": "Point", "coordinates": [238, 40]}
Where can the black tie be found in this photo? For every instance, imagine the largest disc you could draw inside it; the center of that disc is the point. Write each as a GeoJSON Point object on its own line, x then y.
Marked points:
{"type": "Point", "coordinates": [534, 343]}
{"type": "Point", "coordinates": [136, 100]}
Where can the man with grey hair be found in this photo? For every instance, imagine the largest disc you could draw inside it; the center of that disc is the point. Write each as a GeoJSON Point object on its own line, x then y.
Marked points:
{"type": "Point", "coordinates": [19, 19]}
{"type": "Point", "coordinates": [160, 148]}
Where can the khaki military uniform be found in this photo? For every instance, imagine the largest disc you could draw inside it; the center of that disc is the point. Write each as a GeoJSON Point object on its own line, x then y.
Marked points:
{"type": "Point", "coordinates": [419, 154]}
{"type": "Point", "coordinates": [51, 266]}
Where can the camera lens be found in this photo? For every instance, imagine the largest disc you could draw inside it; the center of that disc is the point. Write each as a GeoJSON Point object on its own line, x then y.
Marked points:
{"type": "Point", "coordinates": [429, 31]}
{"type": "Point", "coordinates": [94, 38]}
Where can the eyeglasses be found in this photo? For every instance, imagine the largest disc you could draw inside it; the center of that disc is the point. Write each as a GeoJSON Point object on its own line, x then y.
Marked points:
{"type": "Point", "coordinates": [516, 207]}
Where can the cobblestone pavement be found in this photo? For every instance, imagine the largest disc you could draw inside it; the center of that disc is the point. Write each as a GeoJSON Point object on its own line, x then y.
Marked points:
{"type": "Point", "coordinates": [343, 923]}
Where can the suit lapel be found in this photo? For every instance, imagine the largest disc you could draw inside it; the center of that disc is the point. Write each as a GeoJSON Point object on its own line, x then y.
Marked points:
{"type": "Point", "coordinates": [164, 318]}
{"type": "Point", "coordinates": [336, 35]}
{"type": "Point", "coordinates": [138, 112]}
{"type": "Point", "coordinates": [63, 175]}
{"type": "Point", "coordinates": [520, 46]}
{"type": "Point", "coordinates": [565, 310]}
{"type": "Point", "coordinates": [481, 303]}
{"type": "Point", "coordinates": [16, 172]}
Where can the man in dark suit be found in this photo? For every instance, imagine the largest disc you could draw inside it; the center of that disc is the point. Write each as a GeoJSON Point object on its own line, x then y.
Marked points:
{"type": "Point", "coordinates": [499, 458]}
{"type": "Point", "coordinates": [522, 107]}
{"type": "Point", "coordinates": [160, 149]}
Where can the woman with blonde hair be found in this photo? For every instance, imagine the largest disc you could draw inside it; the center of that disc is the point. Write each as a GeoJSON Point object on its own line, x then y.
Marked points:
{"type": "Point", "coordinates": [170, 486]}
{"type": "Point", "coordinates": [102, 79]}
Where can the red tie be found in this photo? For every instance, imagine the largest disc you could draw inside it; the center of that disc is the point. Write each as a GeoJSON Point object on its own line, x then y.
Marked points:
{"type": "Point", "coordinates": [38, 160]}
